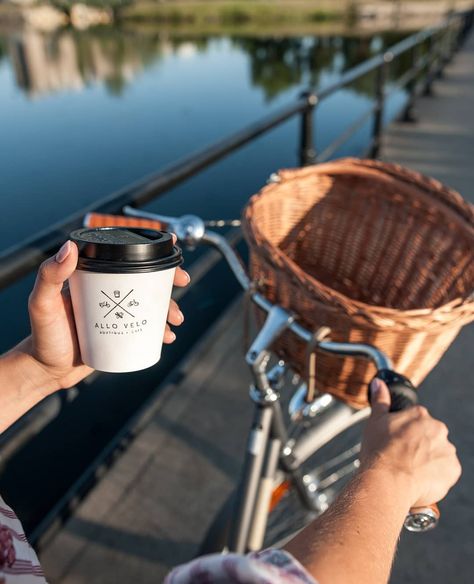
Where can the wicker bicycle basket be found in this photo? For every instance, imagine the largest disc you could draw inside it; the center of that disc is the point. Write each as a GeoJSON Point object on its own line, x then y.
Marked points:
{"type": "Point", "coordinates": [378, 253]}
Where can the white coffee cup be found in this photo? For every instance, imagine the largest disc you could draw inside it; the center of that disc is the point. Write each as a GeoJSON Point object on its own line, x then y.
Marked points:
{"type": "Point", "coordinates": [120, 295]}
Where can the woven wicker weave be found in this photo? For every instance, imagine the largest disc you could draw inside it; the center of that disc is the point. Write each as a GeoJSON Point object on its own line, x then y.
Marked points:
{"type": "Point", "coordinates": [378, 253]}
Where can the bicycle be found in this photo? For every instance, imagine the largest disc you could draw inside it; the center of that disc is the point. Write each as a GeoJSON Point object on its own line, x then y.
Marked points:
{"type": "Point", "coordinates": [292, 471]}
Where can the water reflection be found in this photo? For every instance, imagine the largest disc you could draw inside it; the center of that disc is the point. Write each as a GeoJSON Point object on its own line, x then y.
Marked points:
{"type": "Point", "coordinates": [71, 60]}
{"type": "Point", "coordinates": [277, 64]}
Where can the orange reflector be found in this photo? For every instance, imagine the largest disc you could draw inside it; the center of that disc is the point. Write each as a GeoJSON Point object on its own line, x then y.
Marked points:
{"type": "Point", "coordinates": [278, 493]}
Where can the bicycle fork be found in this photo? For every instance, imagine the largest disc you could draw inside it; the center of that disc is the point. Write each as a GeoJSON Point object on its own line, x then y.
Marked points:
{"type": "Point", "coordinates": [264, 446]}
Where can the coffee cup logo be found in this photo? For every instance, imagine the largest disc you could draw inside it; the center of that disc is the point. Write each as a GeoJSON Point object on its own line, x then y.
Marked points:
{"type": "Point", "coordinates": [117, 307]}
{"type": "Point", "coordinates": [115, 313]}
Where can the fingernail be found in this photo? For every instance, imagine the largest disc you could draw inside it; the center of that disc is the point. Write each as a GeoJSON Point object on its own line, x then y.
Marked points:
{"type": "Point", "coordinates": [172, 337]}
{"type": "Point", "coordinates": [63, 252]}
{"type": "Point", "coordinates": [187, 276]}
{"type": "Point", "coordinates": [375, 386]}
{"type": "Point", "coordinates": [180, 316]}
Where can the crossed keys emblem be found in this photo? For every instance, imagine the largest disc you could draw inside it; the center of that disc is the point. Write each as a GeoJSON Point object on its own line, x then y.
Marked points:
{"type": "Point", "coordinates": [117, 304]}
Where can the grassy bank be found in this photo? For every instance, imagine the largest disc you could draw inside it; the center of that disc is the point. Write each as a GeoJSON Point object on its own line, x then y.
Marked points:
{"type": "Point", "coordinates": [220, 12]}
{"type": "Point", "coordinates": [265, 13]}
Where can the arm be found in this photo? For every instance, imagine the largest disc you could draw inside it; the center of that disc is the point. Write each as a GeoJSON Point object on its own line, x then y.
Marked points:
{"type": "Point", "coordinates": [31, 383]}
{"type": "Point", "coordinates": [357, 536]}
{"type": "Point", "coordinates": [406, 461]}
{"type": "Point", "coordinates": [49, 359]}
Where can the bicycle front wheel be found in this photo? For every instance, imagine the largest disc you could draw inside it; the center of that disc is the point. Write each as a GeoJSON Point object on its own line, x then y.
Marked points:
{"type": "Point", "coordinates": [328, 454]}
{"type": "Point", "coordinates": [329, 457]}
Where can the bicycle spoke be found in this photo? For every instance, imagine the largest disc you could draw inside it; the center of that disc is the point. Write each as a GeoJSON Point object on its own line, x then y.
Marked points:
{"type": "Point", "coordinates": [338, 475]}
{"type": "Point", "coordinates": [350, 452]}
{"type": "Point", "coordinates": [283, 525]}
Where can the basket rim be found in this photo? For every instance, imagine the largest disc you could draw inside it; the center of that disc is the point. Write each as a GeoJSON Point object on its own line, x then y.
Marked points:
{"type": "Point", "coordinates": [435, 188]}
{"type": "Point", "coordinates": [455, 311]}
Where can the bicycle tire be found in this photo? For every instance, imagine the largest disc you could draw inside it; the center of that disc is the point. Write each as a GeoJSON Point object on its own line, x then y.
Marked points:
{"type": "Point", "coordinates": [330, 432]}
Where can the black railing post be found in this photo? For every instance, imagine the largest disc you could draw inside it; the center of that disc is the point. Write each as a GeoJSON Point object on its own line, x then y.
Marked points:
{"type": "Point", "coordinates": [429, 78]}
{"type": "Point", "coordinates": [441, 51]}
{"type": "Point", "coordinates": [380, 77]}
{"type": "Point", "coordinates": [466, 23]}
{"type": "Point", "coordinates": [448, 44]}
{"type": "Point", "coordinates": [307, 148]}
{"type": "Point", "coordinates": [459, 33]}
{"type": "Point", "coordinates": [408, 114]}
{"type": "Point", "coordinates": [451, 47]}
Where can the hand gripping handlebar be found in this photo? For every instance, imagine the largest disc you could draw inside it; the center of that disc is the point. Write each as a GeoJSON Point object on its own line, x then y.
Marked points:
{"type": "Point", "coordinates": [403, 396]}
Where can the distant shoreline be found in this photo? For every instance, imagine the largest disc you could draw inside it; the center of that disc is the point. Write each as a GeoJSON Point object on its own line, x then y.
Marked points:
{"type": "Point", "coordinates": [245, 16]}
{"type": "Point", "coordinates": [285, 12]}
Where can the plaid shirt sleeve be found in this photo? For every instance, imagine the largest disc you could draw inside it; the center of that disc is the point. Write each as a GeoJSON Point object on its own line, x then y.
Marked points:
{"type": "Point", "coordinates": [269, 566]}
{"type": "Point", "coordinates": [18, 561]}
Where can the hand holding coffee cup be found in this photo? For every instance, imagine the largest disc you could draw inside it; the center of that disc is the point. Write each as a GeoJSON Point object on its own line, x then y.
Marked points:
{"type": "Point", "coordinates": [120, 294]}
{"type": "Point", "coordinates": [53, 343]}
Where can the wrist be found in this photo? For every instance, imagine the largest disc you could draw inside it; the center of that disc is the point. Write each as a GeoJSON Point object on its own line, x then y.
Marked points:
{"type": "Point", "coordinates": [23, 382]}
{"type": "Point", "coordinates": [391, 485]}
{"type": "Point", "coordinates": [36, 376]}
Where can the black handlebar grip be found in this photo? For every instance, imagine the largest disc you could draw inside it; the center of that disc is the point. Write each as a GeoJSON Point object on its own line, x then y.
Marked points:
{"type": "Point", "coordinates": [404, 396]}
{"type": "Point", "coordinates": [401, 389]}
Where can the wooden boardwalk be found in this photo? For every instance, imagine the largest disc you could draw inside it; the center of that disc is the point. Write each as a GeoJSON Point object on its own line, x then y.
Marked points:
{"type": "Point", "coordinates": [151, 510]}
{"type": "Point", "coordinates": [441, 144]}
{"type": "Point", "coordinates": [152, 507]}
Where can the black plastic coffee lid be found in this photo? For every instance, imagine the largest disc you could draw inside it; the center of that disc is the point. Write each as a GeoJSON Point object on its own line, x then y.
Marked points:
{"type": "Point", "coordinates": [125, 250]}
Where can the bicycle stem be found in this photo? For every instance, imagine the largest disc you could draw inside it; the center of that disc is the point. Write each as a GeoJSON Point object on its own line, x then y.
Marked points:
{"type": "Point", "coordinates": [380, 360]}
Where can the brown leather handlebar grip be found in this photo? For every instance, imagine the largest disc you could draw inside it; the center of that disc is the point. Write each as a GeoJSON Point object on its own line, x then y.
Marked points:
{"type": "Point", "coordinates": [103, 220]}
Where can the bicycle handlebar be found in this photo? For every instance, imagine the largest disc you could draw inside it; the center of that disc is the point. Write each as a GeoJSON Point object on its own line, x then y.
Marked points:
{"type": "Point", "coordinates": [191, 230]}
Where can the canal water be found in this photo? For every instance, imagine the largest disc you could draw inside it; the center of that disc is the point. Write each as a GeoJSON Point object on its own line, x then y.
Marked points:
{"type": "Point", "coordinates": [85, 113]}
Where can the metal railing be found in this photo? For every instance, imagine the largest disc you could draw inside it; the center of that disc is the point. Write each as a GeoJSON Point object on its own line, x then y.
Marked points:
{"type": "Point", "coordinates": [431, 49]}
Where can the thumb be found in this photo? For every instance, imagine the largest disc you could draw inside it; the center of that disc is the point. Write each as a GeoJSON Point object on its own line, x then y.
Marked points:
{"type": "Point", "coordinates": [52, 275]}
{"type": "Point", "coordinates": [380, 399]}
